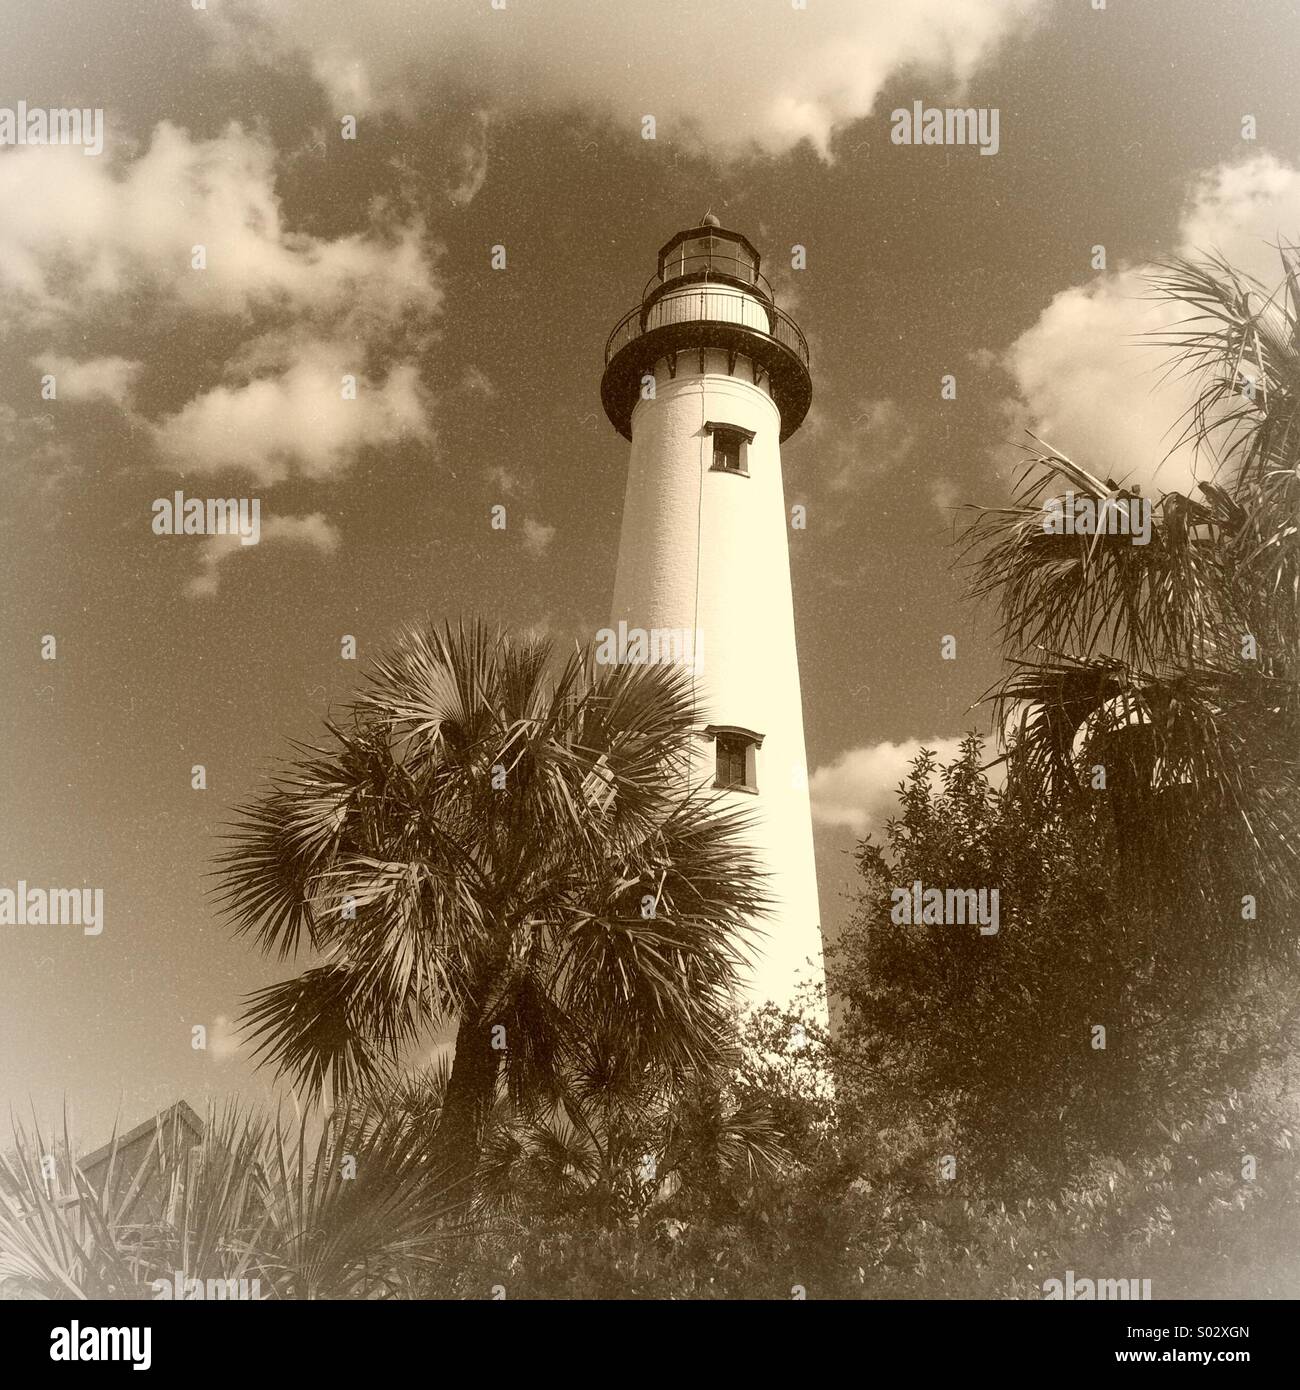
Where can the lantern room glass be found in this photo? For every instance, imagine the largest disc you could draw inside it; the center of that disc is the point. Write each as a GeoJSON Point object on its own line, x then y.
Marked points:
{"type": "Point", "coordinates": [707, 256]}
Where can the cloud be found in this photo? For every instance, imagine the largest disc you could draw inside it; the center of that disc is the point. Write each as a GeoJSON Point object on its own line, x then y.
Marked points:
{"type": "Point", "coordinates": [79, 232]}
{"type": "Point", "coordinates": [96, 378]}
{"type": "Point", "coordinates": [296, 418]}
{"type": "Point", "coordinates": [1240, 209]}
{"type": "Point", "coordinates": [859, 790]}
{"type": "Point", "coordinates": [732, 76]}
{"type": "Point", "coordinates": [1088, 381]}
{"type": "Point", "coordinates": [103, 238]}
{"type": "Point", "coordinates": [537, 535]}
{"type": "Point", "coordinates": [313, 530]}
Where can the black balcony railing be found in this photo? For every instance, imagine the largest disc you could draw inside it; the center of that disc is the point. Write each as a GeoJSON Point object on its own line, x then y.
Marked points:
{"type": "Point", "coordinates": [782, 328]}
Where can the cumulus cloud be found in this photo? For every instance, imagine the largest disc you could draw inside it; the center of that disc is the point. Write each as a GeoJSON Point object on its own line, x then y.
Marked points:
{"type": "Point", "coordinates": [858, 791]}
{"type": "Point", "coordinates": [313, 530]}
{"type": "Point", "coordinates": [197, 226]}
{"type": "Point", "coordinates": [299, 418]}
{"type": "Point", "coordinates": [1090, 381]}
{"type": "Point", "coordinates": [731, 75]}
{"type": "Point", "coordinates": [95, 378]}
{"type": "Point", "coordinates": [78, 232]}
{"type": "Point", "coordinates": [1240, 209]}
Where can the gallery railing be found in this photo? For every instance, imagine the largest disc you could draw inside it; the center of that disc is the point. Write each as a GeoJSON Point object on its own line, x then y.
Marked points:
{"type": "Point", "coordinates": [711, 303]}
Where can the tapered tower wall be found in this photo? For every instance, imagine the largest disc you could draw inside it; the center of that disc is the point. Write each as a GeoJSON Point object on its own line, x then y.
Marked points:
{"type": "Point", "coordinates": [707, 551]}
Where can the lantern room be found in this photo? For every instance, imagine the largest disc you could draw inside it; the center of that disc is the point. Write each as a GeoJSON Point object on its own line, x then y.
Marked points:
{"type": "Point", "coordinates": [709, 252]}
{"type": "Point", "coordinates": [708, 296]}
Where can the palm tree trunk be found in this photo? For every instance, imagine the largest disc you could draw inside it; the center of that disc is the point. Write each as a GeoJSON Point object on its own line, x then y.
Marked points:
{"type": "Point", "coordinates": [471, 1090]}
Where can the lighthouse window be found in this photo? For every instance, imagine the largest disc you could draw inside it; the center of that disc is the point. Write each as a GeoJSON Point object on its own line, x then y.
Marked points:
{"type": "Point", "coordinates": [737, 759]}
{"type": "Point", "coordinates": [726, 451]}
{"type": "Point", "coordinates": [731, 761]}
{"type": "Point", "coordinates": [730, 448]}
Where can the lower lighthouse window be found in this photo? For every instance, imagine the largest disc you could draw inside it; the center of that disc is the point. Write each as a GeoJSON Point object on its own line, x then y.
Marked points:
{"type": "Point", "coordinates": [737, 758]}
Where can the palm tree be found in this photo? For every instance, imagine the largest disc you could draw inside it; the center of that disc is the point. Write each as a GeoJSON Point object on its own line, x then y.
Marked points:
{"type": "Point", "coordinates": [1175, 665]}
{"type": "Point", "coordinates": [258, 1208]}
{"type": "Point", "coordinates": [504, 840]}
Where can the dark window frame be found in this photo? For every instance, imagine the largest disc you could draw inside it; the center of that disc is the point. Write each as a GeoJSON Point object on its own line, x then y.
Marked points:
{"type": "Point", "coordinates": [733, 743]}
{"type": "Point", "coordinates": [737, 434]}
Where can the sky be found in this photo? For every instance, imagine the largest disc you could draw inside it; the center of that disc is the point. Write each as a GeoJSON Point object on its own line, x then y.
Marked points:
{"type": "Point", "coordinates": [1148, 129]}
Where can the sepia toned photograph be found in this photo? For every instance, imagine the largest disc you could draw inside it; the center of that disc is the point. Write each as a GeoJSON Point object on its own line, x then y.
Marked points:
{"type": "Point", "coordinates": [651, 654]}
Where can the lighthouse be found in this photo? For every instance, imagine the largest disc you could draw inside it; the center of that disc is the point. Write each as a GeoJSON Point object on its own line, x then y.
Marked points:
{"type": "Point", "coordinates": [706, 377]}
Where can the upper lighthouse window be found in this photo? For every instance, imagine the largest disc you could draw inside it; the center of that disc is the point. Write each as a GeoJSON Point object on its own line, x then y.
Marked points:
{"type": "Point", "coordinates": [730, 448]}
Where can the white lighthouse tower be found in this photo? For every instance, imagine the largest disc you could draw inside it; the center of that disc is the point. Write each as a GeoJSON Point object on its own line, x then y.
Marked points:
{"type": "Point", "coordinates": [706, 377]}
